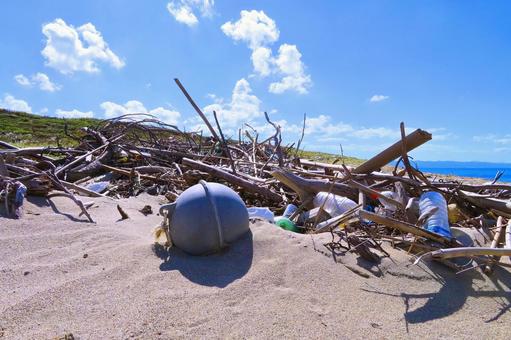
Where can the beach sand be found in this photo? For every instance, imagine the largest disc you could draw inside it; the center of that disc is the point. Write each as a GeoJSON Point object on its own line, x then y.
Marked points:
{"type": "Point", "coordinates": [60, 274]}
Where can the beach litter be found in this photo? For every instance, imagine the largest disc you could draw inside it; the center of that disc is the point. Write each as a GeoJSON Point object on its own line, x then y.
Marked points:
{"type": "Point", "coordinates": [362, 207]}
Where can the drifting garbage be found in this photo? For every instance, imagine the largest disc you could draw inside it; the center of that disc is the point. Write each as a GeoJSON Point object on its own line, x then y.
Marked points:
{"type": "Point", "coordinates": [433, 205]}
{"type": "Point", "coordinates": [313, 215]}
{"type": "Point", "coordinates": [290, 210]}
{"type": "Point", "coordinates": [206, 218]}
{"type": "Point", "coordinates": [388, 206]}
{"type": "Point", "coordinates": [98, 187]}
{"type": "Point", "coordinates": [334, 205]}
{"type": "Point", "coordinates": [140, 154]}
{"type": "Point", "coordinates": [261, 213]}
{"type": "Point", "coordinates": [286, 224]}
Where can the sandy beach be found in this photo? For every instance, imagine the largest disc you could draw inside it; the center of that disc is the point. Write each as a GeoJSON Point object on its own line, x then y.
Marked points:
{"type": "Point", "coordinates": [61, 275]}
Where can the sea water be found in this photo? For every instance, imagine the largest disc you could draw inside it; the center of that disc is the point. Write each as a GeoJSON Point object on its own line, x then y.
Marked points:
{"type": "Point", "coordinates": [485, 173]}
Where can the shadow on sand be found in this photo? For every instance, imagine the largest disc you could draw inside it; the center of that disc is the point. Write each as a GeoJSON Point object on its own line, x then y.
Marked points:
{"type": "Point", "coordinates": [217, 270]}
{"type": "Point", "coordinates": [44, 202]}
{"type": "Point", "coordinates": [454, 292]}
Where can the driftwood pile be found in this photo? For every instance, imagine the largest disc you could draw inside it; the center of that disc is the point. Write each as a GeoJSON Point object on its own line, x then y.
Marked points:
{"type": "Point", "coordinates": [137, 153]}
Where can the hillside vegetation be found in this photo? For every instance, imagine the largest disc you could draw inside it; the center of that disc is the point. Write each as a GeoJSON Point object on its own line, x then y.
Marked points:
{"type": "Point", "coordinates": [25, 129]}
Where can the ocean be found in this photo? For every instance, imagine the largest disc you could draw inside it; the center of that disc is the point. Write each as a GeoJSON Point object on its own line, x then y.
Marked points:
{"type": "Point", "coordinates": [486, 173]}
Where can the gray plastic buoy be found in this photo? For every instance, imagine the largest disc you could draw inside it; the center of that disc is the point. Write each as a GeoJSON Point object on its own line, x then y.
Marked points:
{"type": "Point", "coordinates": [206, 218]}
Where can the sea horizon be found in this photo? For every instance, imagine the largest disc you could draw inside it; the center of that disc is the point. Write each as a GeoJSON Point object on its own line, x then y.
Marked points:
{"type": "Point", "coordinates": [476, 169]}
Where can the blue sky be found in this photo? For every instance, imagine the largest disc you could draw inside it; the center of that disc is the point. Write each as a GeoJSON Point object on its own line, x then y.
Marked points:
{"type": "Point", "coordinates": [357, 68]}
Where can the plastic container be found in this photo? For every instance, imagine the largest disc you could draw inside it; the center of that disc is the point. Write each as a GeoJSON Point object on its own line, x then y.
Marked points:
{"type": "Point", "coordinates": [290, 209]}
{"type": "Point", "coordinates": [335, 205]}
{"type": "Point", "coordinates": [261, 213]}
{"type": "Point", "coordinates": [438, 222]}
{"type": "Point", "coordinates": [388, 206]}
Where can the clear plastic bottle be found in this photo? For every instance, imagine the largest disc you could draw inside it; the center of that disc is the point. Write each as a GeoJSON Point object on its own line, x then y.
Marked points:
{"type": "Point", "coordinates": [334, 205]}
{"type": "Point", "coordinates": [438, 222]}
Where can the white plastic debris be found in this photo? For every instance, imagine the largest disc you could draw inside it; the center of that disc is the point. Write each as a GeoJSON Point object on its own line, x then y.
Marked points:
{"type": "Point", "coordinates": [261, 213]}
{"type": "Point", "coordinates": [335, 205]}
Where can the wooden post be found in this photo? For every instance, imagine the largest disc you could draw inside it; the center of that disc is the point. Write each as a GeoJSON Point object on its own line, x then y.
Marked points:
{"type": "Point", "coordinates": [413, 140]}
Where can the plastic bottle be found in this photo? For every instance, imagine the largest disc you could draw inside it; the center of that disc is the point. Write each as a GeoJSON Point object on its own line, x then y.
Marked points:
{"type": "Point", "coordinates": [290, 209]}
{"type": "Point", "coordinates": [388, 206]}
{"type": "Point", "coordinates": [286, 224]}
{"type": "Point", "coordinates": [335, 205]}
{"type": "Point", "coordinates": [438, 222]}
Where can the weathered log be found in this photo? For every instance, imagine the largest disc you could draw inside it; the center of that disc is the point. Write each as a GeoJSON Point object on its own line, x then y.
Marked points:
{"type": "Point", "coordinates": [306, 162]}
{"type": "Point", "coordinates": [307, 188]}
{"type": "Point", "coordinates": [404, 227]}
{"type": "Point", "coordinates": [198, 110]}
{"type": "Point", "coordinates": [497, 238]}
{"type": "Point", "coordinates": [64, 183]}
{"type": "Point", "coordinates": [508, 235]}
{"type": "Point", "coordinates": [128, 173]}
{"type": "Point", "coordinates": [79, 159]}
{"type": "Point", "coordinates": [466, 252]}
{"type": "Point", "coordinates": [334, 221]}
{"type": "Point", "coordinates": [486, 202]}
{"type": "Point", "coordinates": [372, 192]}
{"type": "Point", "coordinates": [233, 179]}
{"type": "Point", "coordinates": [413, 140]}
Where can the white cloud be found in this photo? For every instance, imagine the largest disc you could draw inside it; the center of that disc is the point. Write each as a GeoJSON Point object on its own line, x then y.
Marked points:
{"type": "Point", "coordinates": [40, 80]}
{"type": "Point", "coordinates": [45, 83]}
{"type": "Point", "coordinates": [112, 110]}
{"type": "Point", "coordinates": [262, 61]}
{"type": "Point", "coordinates": [184, 10]}
{"type": "Point", "coordinates": [13, 104]}
{"type": "Point", "coordinates": [69, 49]}
{"type": "Point", "coordinates": [290, 65]}
{"type": "Point", "coordinates": [73, 114]}
{"type": "Point", "coordinates": [378, 98]}
{"type": "Point", "coordinates": [244, 106]}
{"type": "Point", "coordinates": [254, 28]}
{"type": "Point", "coordinates": [494, 138]}
{"type": "Point", "coordinates": [379, 132]}
{"type": "Point", "coordinates": [259, 31]}
{"type": "Point", "coordinates": [22, 80]}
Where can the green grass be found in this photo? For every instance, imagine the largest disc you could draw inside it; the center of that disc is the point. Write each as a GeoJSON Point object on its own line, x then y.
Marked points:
{"type": "Point", "coordinates": [24, 129]}
{"type": "Point", "coordinates": [329, 158]}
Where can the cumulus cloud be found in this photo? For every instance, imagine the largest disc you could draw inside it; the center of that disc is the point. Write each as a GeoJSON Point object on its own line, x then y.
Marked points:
{"type": "Point", "coordinates": [244, 106]}
{"type": "Point", "coordinates": [112, 109]}
{"type": "Point", "coordinates": [41, 80]}
{"type": "Point", "coordinates": [13, 104]}
{"type": "Point", "coordinates": [73, 114]}
{"type": "Point", "coordinates": [378, 98]}
{"type": "Point", "coordinates": [289, 64]}
{"type": "Point", "coordinates": [69, 49]}
{"type": "Point", "coordinates": [259, 31]}
{"type": "Point", "coordinates": [22, 80]}
{"type": "Point", "coordinates": [254, 28]}
{"type": "Point", "coordinates": [184, 10]}
{"type": "Point", "coordinates": [262, 61]}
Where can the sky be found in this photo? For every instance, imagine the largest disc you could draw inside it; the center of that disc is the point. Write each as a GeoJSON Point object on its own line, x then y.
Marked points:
{"type": "Point", "coordinates": [355, 68]}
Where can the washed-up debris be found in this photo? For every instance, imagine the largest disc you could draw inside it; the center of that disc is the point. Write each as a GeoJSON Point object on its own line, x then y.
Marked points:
{"type": "Point", "coordinates": [146, 210]}
{"type": "Point", "coordinates": [362, 207]}
{"type": "Point", "coordinates": [124, 215]}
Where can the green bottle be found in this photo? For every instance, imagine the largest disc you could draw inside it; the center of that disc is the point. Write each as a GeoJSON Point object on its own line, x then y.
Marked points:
{"type": "Point", "coordinates": [286, 224]}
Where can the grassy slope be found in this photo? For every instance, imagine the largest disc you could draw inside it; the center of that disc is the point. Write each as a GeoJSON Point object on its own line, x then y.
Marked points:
{"type": "Point", "coordinates": [24, 129]}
